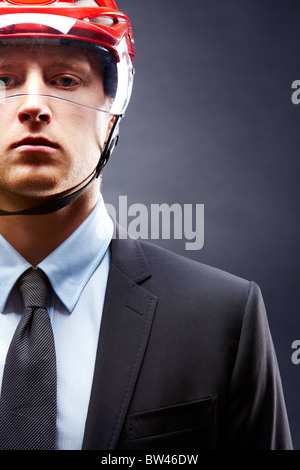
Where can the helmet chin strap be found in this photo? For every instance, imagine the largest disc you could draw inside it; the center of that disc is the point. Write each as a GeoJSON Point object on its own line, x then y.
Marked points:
{"type": "Point", "coordinates": [59, 202]}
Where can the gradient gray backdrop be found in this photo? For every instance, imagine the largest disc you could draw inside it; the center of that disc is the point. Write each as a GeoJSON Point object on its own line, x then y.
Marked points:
{"type": "Point", "coordinates": [211, 122]}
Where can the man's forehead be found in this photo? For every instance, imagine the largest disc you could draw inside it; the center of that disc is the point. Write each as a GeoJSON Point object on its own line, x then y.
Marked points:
{"type": "Point", "coordinates": [63, 54]}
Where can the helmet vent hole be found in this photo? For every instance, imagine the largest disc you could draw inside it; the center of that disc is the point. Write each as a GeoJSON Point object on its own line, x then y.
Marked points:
{"type": "Point", "coordinates": [86, 3]}
{"type": "Point", "coordinates": [104, 20]}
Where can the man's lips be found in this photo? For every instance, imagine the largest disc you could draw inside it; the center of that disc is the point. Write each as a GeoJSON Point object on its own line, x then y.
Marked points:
{"type": "Point", "coordinates": [35, 142]}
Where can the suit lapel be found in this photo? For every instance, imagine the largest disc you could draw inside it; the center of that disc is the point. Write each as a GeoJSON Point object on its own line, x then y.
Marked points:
{"type": "Point", "coordinates": [125, 328]}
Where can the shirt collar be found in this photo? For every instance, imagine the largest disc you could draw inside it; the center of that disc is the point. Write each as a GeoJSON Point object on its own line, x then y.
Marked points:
{"type": "Point", "coordinates": [70, 266]}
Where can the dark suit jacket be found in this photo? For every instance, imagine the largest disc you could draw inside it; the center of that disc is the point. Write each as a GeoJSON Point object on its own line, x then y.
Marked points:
{"type": "Point", "coordinates": [185, 359]}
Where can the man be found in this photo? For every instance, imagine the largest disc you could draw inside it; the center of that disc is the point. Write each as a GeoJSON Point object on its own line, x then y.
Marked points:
{"type": "Point", "coordinates": [147, 350]}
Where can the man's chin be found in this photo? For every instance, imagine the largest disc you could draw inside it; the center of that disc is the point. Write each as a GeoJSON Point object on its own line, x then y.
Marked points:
{"type": "Point", "coordinates": [32, 189]}
{"type": "Point", "coordinates": [36, 187]}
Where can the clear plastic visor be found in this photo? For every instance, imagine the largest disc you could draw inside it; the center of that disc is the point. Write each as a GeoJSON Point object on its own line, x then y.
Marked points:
{"type": "Point", "coordinates": [65, 59]}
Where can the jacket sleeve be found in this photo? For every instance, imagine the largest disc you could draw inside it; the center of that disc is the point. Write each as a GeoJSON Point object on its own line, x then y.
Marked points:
{"type": "Point", "coordinates": [256, 417]}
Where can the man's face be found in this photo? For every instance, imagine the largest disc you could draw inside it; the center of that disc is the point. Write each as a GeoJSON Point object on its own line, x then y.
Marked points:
{"type": "Point", "coordinates": [48, 145]}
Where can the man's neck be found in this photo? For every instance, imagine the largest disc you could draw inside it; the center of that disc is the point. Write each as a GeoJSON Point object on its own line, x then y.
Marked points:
{"type": "Point", "coordinates": [36, 236]}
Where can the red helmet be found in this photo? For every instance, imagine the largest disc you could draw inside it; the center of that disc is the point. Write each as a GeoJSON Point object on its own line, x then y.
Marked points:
{"type": "Point", "coordinates": [94, 23]}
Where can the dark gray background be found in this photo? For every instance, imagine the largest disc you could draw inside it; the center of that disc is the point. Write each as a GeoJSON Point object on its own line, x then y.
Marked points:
{"type": "Point", "coordinates": [211, 122]}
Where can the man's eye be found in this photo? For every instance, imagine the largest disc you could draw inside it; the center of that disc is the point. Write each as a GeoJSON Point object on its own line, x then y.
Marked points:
{"type": "Point", "coordinates": [5, 82]}
{"type": "Point", "coordinates": [66, 82]}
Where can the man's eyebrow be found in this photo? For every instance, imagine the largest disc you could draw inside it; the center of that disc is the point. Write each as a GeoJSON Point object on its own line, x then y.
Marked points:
{"type": "Point", "coordinates": [8, 63]}
{"type": "Point", "coordinates": [69, 62]}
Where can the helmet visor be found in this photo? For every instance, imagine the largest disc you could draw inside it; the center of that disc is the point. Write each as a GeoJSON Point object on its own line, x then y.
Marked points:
{"type": "Point", "coordinates": [78, 58]}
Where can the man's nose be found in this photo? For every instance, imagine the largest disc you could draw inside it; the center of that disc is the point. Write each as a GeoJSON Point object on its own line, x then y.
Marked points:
{"type": "Point", "coordinates": [34, 105]}
{"type": "Point", "coordinates": [34, 108]}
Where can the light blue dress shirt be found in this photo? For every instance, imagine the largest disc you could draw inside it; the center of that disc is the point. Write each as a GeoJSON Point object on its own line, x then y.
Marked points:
{"type": "Point", "coordinates": [77, 271]}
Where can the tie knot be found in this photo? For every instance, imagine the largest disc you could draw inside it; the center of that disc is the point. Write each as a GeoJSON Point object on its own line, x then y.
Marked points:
{"type": "Point", "coordinates": [33, 286]}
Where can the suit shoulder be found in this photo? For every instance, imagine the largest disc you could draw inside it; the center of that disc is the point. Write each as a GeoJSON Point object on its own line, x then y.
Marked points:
{"type": "Point", "coordinates": [193, 293]}
{"type": "Point", "coordinates": [187, 274]}
{"type": "Point", "coordinates": [172, 264]}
